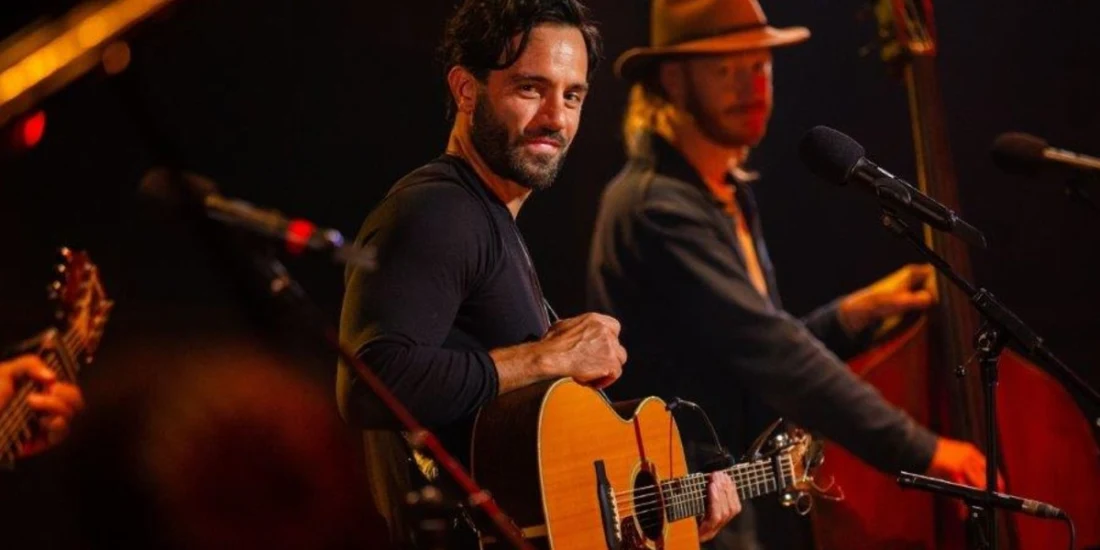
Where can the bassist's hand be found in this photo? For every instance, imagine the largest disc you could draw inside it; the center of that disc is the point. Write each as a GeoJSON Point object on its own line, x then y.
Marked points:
{"type": "Point", "coordinates": [912, 287]}
{"type": "Point", "coordinates": [723, 504]}
{"type": "Point", "coordinates": [960, 462]}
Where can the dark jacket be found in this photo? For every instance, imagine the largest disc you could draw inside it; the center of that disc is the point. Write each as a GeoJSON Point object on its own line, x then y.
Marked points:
{"type": "Point", "coordinates": [665, 261]}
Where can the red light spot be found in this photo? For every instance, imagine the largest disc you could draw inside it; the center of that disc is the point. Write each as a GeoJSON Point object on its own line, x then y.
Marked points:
{"type": "Point", "coordinates": [33, 129]}
{"type": "Point", "coordinates": [298, 233]}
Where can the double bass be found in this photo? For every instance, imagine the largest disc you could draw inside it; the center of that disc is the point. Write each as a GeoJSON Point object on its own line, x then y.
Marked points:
{"type": "Point", "coordinates": [1047, 448]}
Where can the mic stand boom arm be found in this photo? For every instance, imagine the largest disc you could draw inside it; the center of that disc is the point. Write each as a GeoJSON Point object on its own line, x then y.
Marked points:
{"type": "Point", "coordinates": [999, 327]}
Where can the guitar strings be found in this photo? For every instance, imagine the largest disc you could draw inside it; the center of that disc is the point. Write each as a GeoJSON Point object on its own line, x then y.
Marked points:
{"type": "Point", "coordinates": [650, 518]}
{"type": "Point", "coordinates": [13, 421]}
{"type": "Point", "coordinates": [691, 500]}
{"type": "Point", "coordinates": [746, 473]}
{"type": "Point", "coordinates": [747, 482]}
{"type": "Point", "coordinates": [751, 470]}
{"type": "Point", "coordinates": [648, 511]}
{"type": "Point", "coordinates": [759, 475]}
{"type": "Point", "coordinates": [653, 502]}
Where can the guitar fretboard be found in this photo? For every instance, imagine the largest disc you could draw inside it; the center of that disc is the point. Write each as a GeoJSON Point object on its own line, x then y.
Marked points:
{"type": "Point", "coordinates": [686, 496]}
{"type": "Point", "coordinates": [15, 421]}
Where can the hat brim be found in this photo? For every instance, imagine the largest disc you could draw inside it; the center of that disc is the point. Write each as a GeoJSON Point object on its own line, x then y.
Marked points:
{"type": "Point", "coordinates": [629, 65]}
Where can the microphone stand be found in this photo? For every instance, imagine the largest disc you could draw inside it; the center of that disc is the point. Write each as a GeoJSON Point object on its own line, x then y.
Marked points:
{"type": "Point", "coordinates": [1076, 192]}
{"type": "Point", "coordinates": [999, 327]}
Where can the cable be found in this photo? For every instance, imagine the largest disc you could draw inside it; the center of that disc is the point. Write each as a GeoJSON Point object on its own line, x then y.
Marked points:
{"type": "Point", "coordinates": [723, 455]}
{"type": "Point", "coordinates": [1072, 531]}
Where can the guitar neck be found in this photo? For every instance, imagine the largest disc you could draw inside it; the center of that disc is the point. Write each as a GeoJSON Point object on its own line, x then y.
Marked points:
{"type": "Point", "coordinates": [686, 496]}
{"type": "Point", "coordinates": [15, 420]}
{"type": "Point", "coordinates": [14, 424]}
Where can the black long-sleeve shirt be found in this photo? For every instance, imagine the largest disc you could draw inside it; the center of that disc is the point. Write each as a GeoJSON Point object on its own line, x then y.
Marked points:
{"type": "Point", "coordinates": [665, 261]}
{"type": "Point", "coordinates": [453, 281]}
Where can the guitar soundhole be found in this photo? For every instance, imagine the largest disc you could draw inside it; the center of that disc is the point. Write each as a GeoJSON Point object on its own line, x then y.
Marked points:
{"type": "Point", "coordinates": [649, 511]}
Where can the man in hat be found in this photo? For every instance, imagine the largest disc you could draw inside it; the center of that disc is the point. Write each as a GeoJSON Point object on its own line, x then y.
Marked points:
{"type": "Point", "coordinates": [678, 257]}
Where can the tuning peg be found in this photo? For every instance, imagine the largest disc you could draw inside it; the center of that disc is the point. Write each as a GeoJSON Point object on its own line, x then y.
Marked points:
{"type": "Point", "coordinates": [801, 501]}
{"type": "Point", "coordinates": [781, 440]}
{"type": "Point", "coordinates": [66, 253]}
{"type": "Point", "coordinates": [60, 268]}
{"type": "Point", "coordinates": [53, 290]}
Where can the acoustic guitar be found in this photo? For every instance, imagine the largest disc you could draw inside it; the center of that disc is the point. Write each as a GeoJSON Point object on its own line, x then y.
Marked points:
{"type": "Point", "coordinates": [577, 471]}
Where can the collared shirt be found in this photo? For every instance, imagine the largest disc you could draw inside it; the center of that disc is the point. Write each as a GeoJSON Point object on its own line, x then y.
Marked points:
{"type": "Point", "coordinates": [726, 194]}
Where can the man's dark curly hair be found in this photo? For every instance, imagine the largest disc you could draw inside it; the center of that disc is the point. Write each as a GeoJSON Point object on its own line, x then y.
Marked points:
{"type": "Point", "coordinates": [479, 35]}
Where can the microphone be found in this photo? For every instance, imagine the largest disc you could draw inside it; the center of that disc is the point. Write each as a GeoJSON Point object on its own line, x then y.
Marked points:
{"type": "Point", "coordinates": [839, 159]}
{"type": "Point", "coordinates": [1012, 503]}
{"type": "Point", "coordinates": [297, 235]}
{"type": "Point", "coordinates": [1020, 153]}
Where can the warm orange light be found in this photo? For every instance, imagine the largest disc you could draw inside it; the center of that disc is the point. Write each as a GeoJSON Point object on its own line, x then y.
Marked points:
{"type": "Point", "coordinates": [116, 57]}
{"type": "Point", "coordinates": [54, 54]}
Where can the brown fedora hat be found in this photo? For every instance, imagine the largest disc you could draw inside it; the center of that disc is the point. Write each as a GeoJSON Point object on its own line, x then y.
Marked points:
{"type": "Point", "coordinates": [684, 27]}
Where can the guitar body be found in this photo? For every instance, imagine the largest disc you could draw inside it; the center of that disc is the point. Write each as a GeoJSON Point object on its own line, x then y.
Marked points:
{"type": "Point", "coordinates": [869, 513]}
{"type": "Point", "coordinates": [1049, 460]}
{"type": "Point", "coordinates": [539, 451]}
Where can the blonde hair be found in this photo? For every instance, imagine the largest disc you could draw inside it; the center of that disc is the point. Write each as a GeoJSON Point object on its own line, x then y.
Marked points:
{"type": "Point", "coordinates": [647, 110]}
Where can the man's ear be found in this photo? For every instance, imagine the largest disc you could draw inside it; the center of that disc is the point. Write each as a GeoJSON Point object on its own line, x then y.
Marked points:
{"type": "Point", "coordinates": [463, 87]}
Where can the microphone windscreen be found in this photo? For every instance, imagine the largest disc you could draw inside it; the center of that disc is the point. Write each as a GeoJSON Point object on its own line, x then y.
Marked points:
{"type": "Point", "coordinates": [1018, 153]}
{"type": "Point", "coordinates": [174, 188]}
{"type": "Point", "coordinates": [829, 154]}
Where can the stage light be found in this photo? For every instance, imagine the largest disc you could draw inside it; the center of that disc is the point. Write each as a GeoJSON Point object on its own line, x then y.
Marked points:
{"type": "Point", "coordinates": [30, 130]}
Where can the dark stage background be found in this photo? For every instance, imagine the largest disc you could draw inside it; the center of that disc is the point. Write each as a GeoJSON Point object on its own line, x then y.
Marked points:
{"type": "Point", "coordinates": [317, 107]}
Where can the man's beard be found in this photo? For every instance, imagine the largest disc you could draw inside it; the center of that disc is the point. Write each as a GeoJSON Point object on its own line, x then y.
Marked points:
{"type": "Point", "coordinates": [710, 124]}
{"type": "Point", "coordinates": [506, 157]}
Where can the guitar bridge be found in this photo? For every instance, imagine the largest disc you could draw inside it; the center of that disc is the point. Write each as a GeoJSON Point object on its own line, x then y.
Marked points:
{"type": "Point", "coordinates": [609, 510]}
